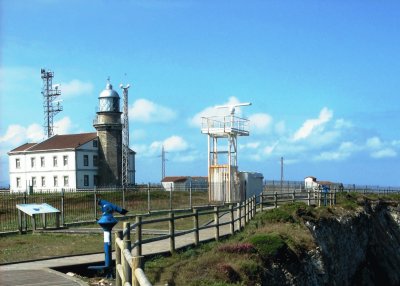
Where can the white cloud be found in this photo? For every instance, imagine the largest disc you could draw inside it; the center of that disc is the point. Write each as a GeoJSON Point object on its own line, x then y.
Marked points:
{"type": "Point", "coordinates": [341, 123]}
{"type": "Point", "coordinates": [195, 121]}
{"type": "Point", "coordinates": [384, 153]}
{"type": "Point", "coordinates": [345, 150]}
{"type": "Point", "coordinates": [250, 145]}
{"type": "Point", "coordinates": [395, 143]}
{"type": "Point", "coordinates": [171, 144]}
{"type": "Point", "coordinates": [62, 126]}
{"type": "Point", "coordinates": [75, 88]}
{"type": "Point", "coordinates": [310, 125]}
{"type": "Point", "coordinates": [269, 149]}
{"type": "Point", "coordinates": [17, 134]}
{"type": "Point", "coordinates": [175, 143]}
{"type": "Point", "coordinates": [374, 142]}
{"type": "Point", "coordinates": [260, 123]}
{"type": "Point", "coordinates": [280, 127]}
{"type": "Point", "coordinates": [144, 110]}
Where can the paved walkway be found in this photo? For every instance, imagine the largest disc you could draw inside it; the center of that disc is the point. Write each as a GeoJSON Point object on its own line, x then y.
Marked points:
{"type": "Point", "coordinates": [40, 273]}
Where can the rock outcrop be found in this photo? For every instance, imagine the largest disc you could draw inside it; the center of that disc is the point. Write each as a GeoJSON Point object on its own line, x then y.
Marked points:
{"type": "Point", "coordinates": [357, 248]}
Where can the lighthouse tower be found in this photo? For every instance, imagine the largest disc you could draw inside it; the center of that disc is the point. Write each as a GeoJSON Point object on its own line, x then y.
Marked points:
{"type": "Point", "coordinates": [109, 130]}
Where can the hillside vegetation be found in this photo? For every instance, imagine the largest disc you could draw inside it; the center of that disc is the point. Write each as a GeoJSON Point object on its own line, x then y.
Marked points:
{"type": "Point", "coordinates": [279, 247]}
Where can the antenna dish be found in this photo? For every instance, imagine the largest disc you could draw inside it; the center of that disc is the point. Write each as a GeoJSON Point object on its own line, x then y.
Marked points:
{"type": "Point", "coordinates": [231, 107]}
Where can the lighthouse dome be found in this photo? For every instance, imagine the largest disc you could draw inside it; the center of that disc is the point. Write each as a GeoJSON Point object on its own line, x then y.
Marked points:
{"type": "Point", "coordinates": [109, 99]}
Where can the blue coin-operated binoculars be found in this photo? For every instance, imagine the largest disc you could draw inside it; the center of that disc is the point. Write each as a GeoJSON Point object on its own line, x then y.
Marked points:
{"type": "Point", "coordinates": [107, 222]}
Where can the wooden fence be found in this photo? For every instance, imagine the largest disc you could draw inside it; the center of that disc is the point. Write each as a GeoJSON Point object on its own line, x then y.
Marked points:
{"type": "Point", "coordinates": [129, 256]}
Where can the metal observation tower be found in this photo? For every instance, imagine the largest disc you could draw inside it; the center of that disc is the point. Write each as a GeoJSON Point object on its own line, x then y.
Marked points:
{"type": "Point", "coordinates": [223, 174]}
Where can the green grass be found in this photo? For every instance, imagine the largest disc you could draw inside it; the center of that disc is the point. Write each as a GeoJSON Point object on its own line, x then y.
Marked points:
{"type": "Point", "coordinates": [80, 206]}
{"type": "Point", "coordinates": [14, 248]}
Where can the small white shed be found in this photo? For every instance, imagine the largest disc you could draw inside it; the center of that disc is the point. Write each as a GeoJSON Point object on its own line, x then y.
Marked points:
{"type": "Point", "coordinates": [310, 182]}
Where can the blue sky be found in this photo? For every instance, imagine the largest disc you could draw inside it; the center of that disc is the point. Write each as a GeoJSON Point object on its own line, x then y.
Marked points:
{"type": "Point", "coordinates": [322, 77]}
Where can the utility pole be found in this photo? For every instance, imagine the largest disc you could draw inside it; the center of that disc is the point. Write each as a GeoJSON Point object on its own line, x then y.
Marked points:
{"type": "Point", "coordinates": [281, 174]}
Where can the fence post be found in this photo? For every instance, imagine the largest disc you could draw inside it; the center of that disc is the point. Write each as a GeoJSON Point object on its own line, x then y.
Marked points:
{"type": "Point", "coordinates": [139, 235]}
{"type": "Point", "coordinates": [190, 194]}
{"type": "Point", "coordinates": [319, 196]}
{"type": "Point", "coordinates": [276, 199]}
{"type": "Point", "coordinates": [254, 207]}
{"type": "Point", "coordinates": [261, 202]}
{"type": "Point", "coordinates": [148, 198]}
{"type": "Point", "coordinates": [62, 207]}
{"type": "Point", "coordinates": [171, 232]}
{"type": "Point", "coordinates": [239, 215]}
{"type": "Point", "coordinates": [127, 245]}
{"type": "Point", "coordinates": [216, 222]}
{"type": "Point", "coordinates": [196, 226]}
{"type": "Point", "coordinates": [123, 197]}
{"type": "Point", "coordinates": [246, 209]}
{"type": "Point", "coordinates": [294, 196]}
{"type": "Point", "coordinates": [170, 198]}
{"type": "Point", "coordinates": [136, 263]}
{"type": "Point", "coordinates": [95, 202]}
{"type": "Point", "coordinates": [308, 197]}
{"type": "Point", "coordinates": [334, 197]}
{"type": "Point", "coordinates": [118, 281]}
{"type": "Point", "coordinates": [232, 218]}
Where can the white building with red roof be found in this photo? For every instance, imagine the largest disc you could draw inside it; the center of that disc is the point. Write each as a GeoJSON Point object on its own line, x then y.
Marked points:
{"type": "Point", "coordinates": [75, 161]}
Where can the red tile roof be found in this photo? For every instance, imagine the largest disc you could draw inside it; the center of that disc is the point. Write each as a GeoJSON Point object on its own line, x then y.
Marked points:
{"type": "Point", "coordinates": [59, 142]}
{"type": "Point", "coordinates": [23, 147]}
{"type": "Point", "coordinates": [176, 179]}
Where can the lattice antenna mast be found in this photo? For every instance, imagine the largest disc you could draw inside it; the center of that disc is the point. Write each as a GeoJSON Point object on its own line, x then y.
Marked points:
{"type": "Point", "coordinates": [51, 106]}
{"type": "Point", "coordinates": [125, 139]}
{"type": "Point", "coordinates": [163, 160]}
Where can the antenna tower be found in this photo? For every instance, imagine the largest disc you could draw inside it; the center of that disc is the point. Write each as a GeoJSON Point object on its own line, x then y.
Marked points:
{"type": "Point", "coordinates": [50, 105]}
{"type": "Point", "coordinates": [163, 159]}
{"type": "Point", "coordinates": [125, 139]}
{"type": "Point", "coordinates": [223, 173]}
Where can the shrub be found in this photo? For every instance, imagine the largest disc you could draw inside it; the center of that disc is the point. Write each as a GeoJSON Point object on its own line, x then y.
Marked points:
{"type": "Point", "coordinates": [277, 215]}
{"type": "Point", "coordinates": [228, 273]}
{"type": "Point", "coordinates": [251, 269]}
{"type": "Point", "coordinates": [237, 248]}
{"type": "Point", "coordinates": [267, 245]}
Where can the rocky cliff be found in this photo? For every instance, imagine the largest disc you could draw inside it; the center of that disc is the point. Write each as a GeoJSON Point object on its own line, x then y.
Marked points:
{"type": "Point", "coordinates": [355, 248]}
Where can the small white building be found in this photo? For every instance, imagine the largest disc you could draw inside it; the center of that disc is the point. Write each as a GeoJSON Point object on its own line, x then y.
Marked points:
{"type": "Point", "coordinates": [310, 182]}
{"type": "Point", "coordinates": [62, 161]}
{"type": "Point", "coordinates": [183, 183]}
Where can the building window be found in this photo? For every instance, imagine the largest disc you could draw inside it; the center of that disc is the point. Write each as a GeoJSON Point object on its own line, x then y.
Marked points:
{"type": "Point", "coordinates": [66, 181]}
{"type": "Point", "coordinates": [95, 160]}
{"type": "Point", "coordinates": [65, 160]}
{"type": "Point", "coordinates": [43, 181]}
{"type": "Point", "coordinates": [85, 160]}
{"type": "Point", "coordinates": [95, 143]}
{"type": "Point", "coordinates": [86, 180]}
{"type": "Point", "coordinates": [42, 161]}
{"type": "Point", "coordinates": [18, 182]}
{"type": "Point", "coordinates": [95, 180]}
{"type": "Point", "coordinates": [33, 162]}
{"type": "Point", "coordinates": [17, 163]}
{"type": "Point", "coordinates": [55, 161]}
{"type": "Point", "coordinates": [34, 181]}
{"type": "Point", "coordinates": [55, 180]}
